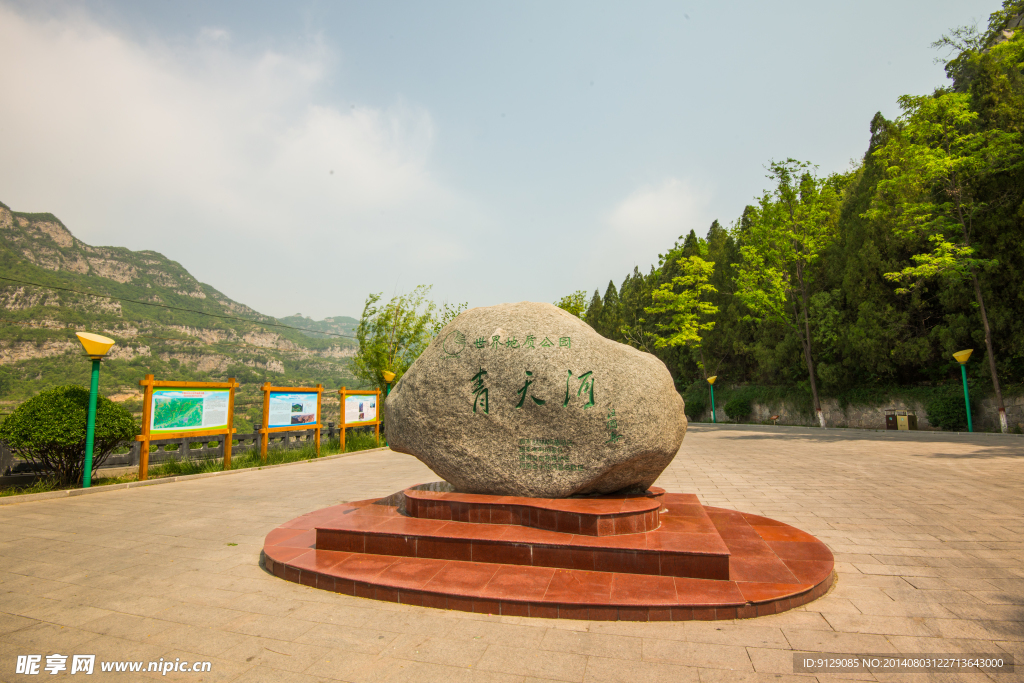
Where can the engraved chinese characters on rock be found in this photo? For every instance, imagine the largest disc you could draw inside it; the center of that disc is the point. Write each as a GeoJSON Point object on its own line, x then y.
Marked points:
{"type": "Point", "coordinates": [480, 392]}
{"type": "Point", "coordinates": [546, 454]}
{"type": "Point", "coordinates": [612, 425]}
{"type": "Point", "coordinates": [584, 390]}
{"type": "Point", "coordinates": [525, 390]}
{"type": "Point", "coordinates": [510, 342]}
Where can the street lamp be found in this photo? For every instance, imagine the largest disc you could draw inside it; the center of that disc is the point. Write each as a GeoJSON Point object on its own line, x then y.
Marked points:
{"type": "Point", "coordinates": [961, 358]}
{"type": "Point", "coordinates": [389, 377]}
{"type": "Point", "coordinates": [711, 383]}
{"type": "Point", "coordinates": [96, 346]}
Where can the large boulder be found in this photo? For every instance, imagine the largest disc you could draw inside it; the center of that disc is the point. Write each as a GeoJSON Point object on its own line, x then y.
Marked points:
{"type": "Point", "coordinates": [528, 400]}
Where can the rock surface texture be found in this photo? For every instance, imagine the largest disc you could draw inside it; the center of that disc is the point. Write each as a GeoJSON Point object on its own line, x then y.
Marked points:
{"type": "Point", "coordinates": [527, 400]}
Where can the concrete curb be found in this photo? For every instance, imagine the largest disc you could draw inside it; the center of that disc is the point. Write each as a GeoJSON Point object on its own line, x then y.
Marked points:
{"type": "Point", "coordinates": [47, 495]}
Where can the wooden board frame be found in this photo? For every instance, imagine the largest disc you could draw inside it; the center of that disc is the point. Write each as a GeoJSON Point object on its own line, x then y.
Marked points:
{"type": "Point", "coordinates": [145, 437]}
{"type": "Point", "coordinates": [266, 428]}
{"type": "Point", "coordinates": [358, 392]}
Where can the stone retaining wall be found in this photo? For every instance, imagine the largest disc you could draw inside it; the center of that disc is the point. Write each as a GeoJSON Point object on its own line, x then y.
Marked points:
{"type": "Point", "coordinates": [873, 417]}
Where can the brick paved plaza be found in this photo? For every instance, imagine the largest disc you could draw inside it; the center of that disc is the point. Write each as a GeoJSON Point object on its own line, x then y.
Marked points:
{"type": "Point", "coordinates": [923, 526]}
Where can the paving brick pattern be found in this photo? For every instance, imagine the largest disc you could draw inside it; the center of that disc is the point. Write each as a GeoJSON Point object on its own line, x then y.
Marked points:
{"type": "Point", "coordinates": [925, 531]}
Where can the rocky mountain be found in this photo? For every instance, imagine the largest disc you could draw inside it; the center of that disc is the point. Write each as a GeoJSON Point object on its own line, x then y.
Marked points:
{"type": "Point", "coordinates": [341, 324]}
{"type": "Point", "coordinates": [164, 321]}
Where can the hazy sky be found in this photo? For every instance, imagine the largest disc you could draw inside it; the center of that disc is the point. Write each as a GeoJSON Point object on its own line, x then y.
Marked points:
{"type": "Point", "coordinates": [298, 155]}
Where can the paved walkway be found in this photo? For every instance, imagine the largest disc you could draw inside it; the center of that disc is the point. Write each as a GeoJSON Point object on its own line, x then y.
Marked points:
{"type": "Point", "coordinates": [925, 532]}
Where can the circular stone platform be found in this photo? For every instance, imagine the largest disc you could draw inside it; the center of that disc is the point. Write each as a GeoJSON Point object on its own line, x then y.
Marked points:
{"type": "Point", "coordinates": [649, 557]}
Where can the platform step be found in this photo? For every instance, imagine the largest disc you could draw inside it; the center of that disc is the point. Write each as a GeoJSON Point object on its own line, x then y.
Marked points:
{"type": "Point", "coordinates": [774, 567]}
{"type": "Point", "coordinates": [590, 516]}
{"type": "Point", "coordinates": [687, 544]}
{"type": "Point", "coordinates": [535, 591]}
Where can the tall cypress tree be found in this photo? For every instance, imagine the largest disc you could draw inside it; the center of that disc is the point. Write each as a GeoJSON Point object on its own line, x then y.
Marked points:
{"type": "Point", "coordinates": [595, 310]}
{"type": "Point", "coordinates": [611, 316]}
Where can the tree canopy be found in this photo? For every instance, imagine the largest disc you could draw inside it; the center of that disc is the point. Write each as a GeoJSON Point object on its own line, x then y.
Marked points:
{"type": "Point", "coordinates": [392, 336]}
{"type": "Point", "coordinates": [865, 279]}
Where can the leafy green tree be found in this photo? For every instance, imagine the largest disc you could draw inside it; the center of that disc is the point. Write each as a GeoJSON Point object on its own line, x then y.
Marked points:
{"type": "Point", "coordinates": [635, 298]}
{"type": "Point", "coordinates": [938, 161]}
{"type": "Point", "coordinates": [49, 430]}
{"type": "Point", "coordinates": [684, 304]}
{"type": "Point", "coordinates": [392, 336]}
{"type": "Point", "coordinates": [448, 313]}
{"type": "Point", "coordinates": [575, 303]}
{"type": "Point", "coordinates": [725, 349]}
{"type": "Point", "coordinates": [968, 45]}
{"type": "Point", "coordinates": [791, 227]}
{"type": "Point", "coordinates": [866, 333]}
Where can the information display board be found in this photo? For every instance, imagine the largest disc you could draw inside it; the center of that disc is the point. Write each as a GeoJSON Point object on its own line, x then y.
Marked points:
{"type": "Point", "coordinates": [290, 409]}
{"type": "Point", "coordinates": [360, 408]}
{"type": "Point", "coordinates": [188, 410]}
{"type": "Point", "coordinates": [176, 409]}
{"type": "Point", "coordinates": [286, 408]}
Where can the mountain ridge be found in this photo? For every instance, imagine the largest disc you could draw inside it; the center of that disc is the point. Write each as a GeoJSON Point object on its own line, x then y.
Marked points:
{"type": "Point", "coordinates": [164, 320]}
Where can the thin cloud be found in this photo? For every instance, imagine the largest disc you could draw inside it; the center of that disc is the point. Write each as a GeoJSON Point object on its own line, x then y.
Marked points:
{"type": "Point", "coordinates": [208, 149]}
{"type": "Point", "coordinates": [645, 223]}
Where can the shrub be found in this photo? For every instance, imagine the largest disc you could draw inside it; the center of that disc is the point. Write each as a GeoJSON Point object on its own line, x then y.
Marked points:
{"type": "Point", "coordinates": [695, 406]}
{"type": "Point", "coordinates": [738, 409]}
{"type": "Point", "coordinates": [948, 412]}
{"type": "Point", "coordinates": [49, 430]}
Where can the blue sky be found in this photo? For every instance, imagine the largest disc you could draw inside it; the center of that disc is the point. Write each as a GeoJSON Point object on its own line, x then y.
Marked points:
{"type": "Point", "coordinates": [500, 152]}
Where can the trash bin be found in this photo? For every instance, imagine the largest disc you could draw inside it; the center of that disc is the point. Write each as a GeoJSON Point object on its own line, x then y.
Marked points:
{"type": "Point", "coordinates": [900, 419]}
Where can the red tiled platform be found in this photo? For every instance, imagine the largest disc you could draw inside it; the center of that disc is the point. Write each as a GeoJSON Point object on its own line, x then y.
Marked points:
{"type": "Point", "coordinates": [699, 563]}
{"type": "Point", "coordinates": [603, 516]}
{"type": "Point", "coordinates": [688, 546]}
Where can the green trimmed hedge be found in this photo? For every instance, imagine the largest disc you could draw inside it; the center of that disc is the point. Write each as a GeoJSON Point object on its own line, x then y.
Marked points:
{"type": "Point", "coordinates": [49, 430]}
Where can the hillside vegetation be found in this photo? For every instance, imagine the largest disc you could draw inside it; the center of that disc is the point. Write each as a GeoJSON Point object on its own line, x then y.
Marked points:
{"type": "Point", "coordinates": [179, 329]}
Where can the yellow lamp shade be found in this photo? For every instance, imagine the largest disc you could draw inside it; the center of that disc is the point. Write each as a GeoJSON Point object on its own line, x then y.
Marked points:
{"type": "Point", "coordinates": [95, 345]}
{"type": "Point", "coordinates": [962, 356]}
{"type": "Point", "coordinates": [712, 378]}
{"type": "Point", "coordinates": [388, 376]}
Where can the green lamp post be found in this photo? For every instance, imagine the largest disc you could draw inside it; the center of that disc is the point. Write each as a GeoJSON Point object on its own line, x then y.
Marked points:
{"type": "Point", "coordinates": [389, 377]}
{"type": "Point", "coordinates": [96, 346]}
{"type": "Point", "coordinates": [711, 383]}
{"type": "Point", "coordinates": [961, 358]}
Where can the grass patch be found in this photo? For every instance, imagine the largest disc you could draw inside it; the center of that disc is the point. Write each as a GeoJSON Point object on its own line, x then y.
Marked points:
{"type": "Point", "coordinates": [247, 459]}
{"type": "Point", "coordinates": [41, 486]}
{"type": "Point", "coordinates": [358, 440]}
